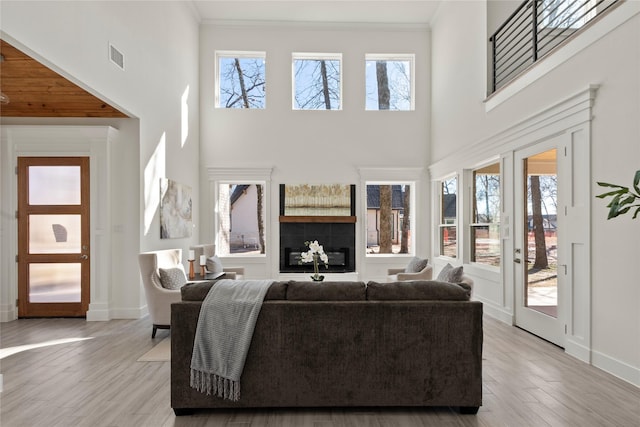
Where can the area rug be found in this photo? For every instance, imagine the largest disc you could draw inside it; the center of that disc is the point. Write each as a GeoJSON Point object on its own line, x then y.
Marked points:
{"type": "Point", "coordinates": [160, 353]}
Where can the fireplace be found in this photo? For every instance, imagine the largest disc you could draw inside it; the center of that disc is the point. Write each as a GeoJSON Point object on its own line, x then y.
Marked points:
{"type": "Point", "coordinates": [338, 241]}
{"type": "Point", "coordinates": [338, 261]}
{"type": "Point", "coordinates": [333, 230]}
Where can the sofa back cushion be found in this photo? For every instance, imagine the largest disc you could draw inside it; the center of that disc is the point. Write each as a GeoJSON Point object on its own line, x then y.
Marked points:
{"type": "Point", "coordinates": [197, 291]}
{"type": "Point", "coordinates": [430, 290]}
{"type": "Point", "coordinates": [326, 291]}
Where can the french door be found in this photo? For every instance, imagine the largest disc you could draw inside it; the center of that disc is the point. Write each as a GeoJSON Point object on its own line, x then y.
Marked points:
{"type": "Point", "coordinates": [53, 236]}
{"type": "Point", "coordinates": [540, 267]}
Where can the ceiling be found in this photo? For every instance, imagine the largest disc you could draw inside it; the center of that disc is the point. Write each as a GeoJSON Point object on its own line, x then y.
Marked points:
{"type": "Point", "coordinates": [353, 11]}
{"type": "Point", "coordinates": [37, 91]}
{"type": "Point", "coordinates": [34, 90]}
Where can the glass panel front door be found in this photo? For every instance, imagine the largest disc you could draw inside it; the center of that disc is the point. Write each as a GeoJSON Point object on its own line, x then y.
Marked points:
{"type": "Point", "coordinates": [53, 236]}
{"type": "Point", "coordinates": [541, 248]}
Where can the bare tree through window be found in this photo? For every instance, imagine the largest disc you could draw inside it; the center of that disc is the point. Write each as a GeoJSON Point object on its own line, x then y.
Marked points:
{"type": "Point", "coordinates": [317, 84]}
{"type": "Point", "coordinates": [241, 82]}
{"type": "Point", "coordinates": [388, 83]}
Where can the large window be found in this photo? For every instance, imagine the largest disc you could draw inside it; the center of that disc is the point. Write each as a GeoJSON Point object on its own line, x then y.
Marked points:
{"type": "Point", "coordinates": [449, 217]}
{"type": "Point", "coordinates": [389, 218]}
{"type": "Point", "coordinates": [389, 82]}
{"type": "Point", "coordinates": [240, 80]}
{"type": "Point", "coordinates": [241, 213]}
{"type": "Point", "coordinates": [317, 81]}
{"type": "Point", "coordinates": [485, 227]}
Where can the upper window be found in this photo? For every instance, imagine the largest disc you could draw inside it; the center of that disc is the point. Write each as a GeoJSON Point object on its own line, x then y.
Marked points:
{"type": "Point", "coordinates": [566, 13]}
{"type": "Point", "coordinates": [389, 212]}
{"type": "Point", "coordinates": [241, 211]}
{"type": "Point", "coordinates": [240, 80]}
{"type": "Point", "coordinates": [485, 227]}
{"type": "Point", "coordinates": [389, 82]}
{"type": "Point", "coordinates": [449, 217]}
{"type": "Point", "coordinates": [317, 81]}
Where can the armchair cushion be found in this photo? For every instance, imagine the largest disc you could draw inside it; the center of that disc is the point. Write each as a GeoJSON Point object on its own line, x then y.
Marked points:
{"type": "Point", "coordinates": [214, 265]}
{"type": "Point", "coordinates": [416, 265]}
{"type": "Point", "coordinates": [450, 274]}
{"type": "Point", "coordinates": [172, 278]}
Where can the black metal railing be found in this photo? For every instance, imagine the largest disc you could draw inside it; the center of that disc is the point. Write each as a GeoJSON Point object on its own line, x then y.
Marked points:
{"type": "Point", "coordinates": [536, 28]}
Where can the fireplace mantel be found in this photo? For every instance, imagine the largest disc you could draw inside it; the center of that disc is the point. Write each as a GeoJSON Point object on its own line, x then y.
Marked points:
{"type": "Point", "coordinates": [319, 219]}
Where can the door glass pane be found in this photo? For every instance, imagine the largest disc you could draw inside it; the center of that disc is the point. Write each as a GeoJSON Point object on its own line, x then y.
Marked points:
{"type": "Point", "coordinates": [54, 185]}
{"type": "Point", "coordinates": [54, 282]}
{"type": "Point", "coordinates": [542, 244]}
{"type": "Point", "coordinates": [54, 234]}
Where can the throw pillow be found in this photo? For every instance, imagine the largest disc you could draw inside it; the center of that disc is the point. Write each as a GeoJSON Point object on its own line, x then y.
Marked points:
{"type": "Point", "coordinates": [450, 274]}
{"type": "Point", "coordinates": [416, 265]}
{"type": "Point", "coordinates": [214, 265]}
{"type": "Point", "coordinates": [172, 278]}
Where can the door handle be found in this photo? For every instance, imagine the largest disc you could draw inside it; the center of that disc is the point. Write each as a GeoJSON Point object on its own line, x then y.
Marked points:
{"type": "Point", "coordinates": [517, 260]}
{"type": "Point", "coordinates": [84, 256]}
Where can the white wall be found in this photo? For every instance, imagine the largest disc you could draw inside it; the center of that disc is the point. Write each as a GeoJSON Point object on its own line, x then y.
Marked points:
{"type": "Point", "coordinates": [312, 146]}
{"type": "Point", "coordinates": [160, 44]}
{"type": "Point", "coordinates": [460, 120]}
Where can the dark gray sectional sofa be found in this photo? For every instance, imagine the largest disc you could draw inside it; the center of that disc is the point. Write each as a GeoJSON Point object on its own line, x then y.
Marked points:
{"type": "Point", "coordinates": [344, 344]}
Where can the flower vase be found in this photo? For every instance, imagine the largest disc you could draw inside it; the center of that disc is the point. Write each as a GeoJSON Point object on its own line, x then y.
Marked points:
{"type": "Point", "coordinates": [317, 278]}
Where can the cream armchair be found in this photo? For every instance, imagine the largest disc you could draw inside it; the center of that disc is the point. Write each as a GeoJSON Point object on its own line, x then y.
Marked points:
{"type": "Point", "coordinates": [159, 299]}
{"type": "Point", "coordinates": [209, 250]}
{"type": "Point", "coordinates": [398, 274]}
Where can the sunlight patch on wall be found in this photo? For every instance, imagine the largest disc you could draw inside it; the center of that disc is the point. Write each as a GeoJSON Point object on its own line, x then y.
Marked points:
{"type": "Point", "coordinates": [154, 170]}
{"type": "Point", "coordinates": [185, 115]}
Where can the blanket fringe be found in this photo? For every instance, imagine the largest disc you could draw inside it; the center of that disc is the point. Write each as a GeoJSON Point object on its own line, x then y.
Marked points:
{"type": "Point", "coordinates": [224, 388]}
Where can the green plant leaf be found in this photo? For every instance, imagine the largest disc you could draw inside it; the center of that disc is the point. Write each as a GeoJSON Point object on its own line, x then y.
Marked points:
{"type": "Point", "coordinates": [622, 199]}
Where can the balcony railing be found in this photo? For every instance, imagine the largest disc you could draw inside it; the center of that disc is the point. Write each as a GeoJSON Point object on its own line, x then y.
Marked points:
{"type": "Point", "coordinates": [534, 30]}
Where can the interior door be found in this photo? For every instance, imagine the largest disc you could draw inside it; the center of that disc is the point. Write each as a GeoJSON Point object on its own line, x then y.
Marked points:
{"type": "Point", "coordinates": [540, 270]}
{"type": "Point", "coordinates": [53, 236]}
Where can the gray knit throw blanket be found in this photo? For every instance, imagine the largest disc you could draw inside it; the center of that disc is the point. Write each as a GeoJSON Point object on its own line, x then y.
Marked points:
{"type": "Point", "coordinates": [225, 327]}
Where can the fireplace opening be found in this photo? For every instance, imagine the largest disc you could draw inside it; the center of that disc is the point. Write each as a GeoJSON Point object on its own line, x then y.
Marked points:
{"type": "Point", "coordinates": [338, 261]}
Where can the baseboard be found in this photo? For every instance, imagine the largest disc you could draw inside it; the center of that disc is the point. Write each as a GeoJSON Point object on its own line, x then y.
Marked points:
{"type": "Point", "coordinates": [497, 312]}
{"type": "Point", "coordinates": [577, 350]}
{"type": "Point", "coordinates": [8, 313]}
{"type": "Point", "coordinates": [617, 368]}
{"type": "Point", "coordinates": [129, 313]}
{"type": "Point", "coordinates": [98, 312]}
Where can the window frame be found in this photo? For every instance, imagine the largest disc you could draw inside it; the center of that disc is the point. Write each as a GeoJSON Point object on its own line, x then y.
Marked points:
{"type": "Point", "coordinates": [412, 217]}
{"type": "Point", "coordinates": [218, 54]}
{"type": "Point", "coordinates": [474, 225]}
{"type": "Point", "coordinates": [442, 222]}
{"type": "Point", "coordinates": [226, 176]}
{"type": "Point", "coordinates": [317, 57]}
{"type": "Point", "coordinates": [411, 57]}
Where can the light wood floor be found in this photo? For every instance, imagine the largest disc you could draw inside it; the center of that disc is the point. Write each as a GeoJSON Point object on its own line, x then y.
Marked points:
{"type": "Point", "coordinates": [98, 382]}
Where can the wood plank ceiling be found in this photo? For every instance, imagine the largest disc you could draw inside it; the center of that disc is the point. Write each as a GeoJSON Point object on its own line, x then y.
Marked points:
{"type": "Point", "coordinates": [33, 90]}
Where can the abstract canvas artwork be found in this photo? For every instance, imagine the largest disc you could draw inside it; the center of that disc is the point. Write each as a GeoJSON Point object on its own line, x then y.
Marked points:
{"type": "Point", "coordinates": [175, 210]}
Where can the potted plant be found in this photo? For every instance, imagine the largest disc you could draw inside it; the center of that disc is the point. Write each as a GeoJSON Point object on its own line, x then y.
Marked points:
{"type": "Point", "coordinates": [623, 199]}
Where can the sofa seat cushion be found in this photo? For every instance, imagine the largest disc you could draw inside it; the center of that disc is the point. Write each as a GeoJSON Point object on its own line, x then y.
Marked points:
{"type": "Point", "coordinates": [197, 291]}
{"type": "Point", "coordinates": [430, 290]}
{"type": "Point", "coordinates": [326, 291]}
